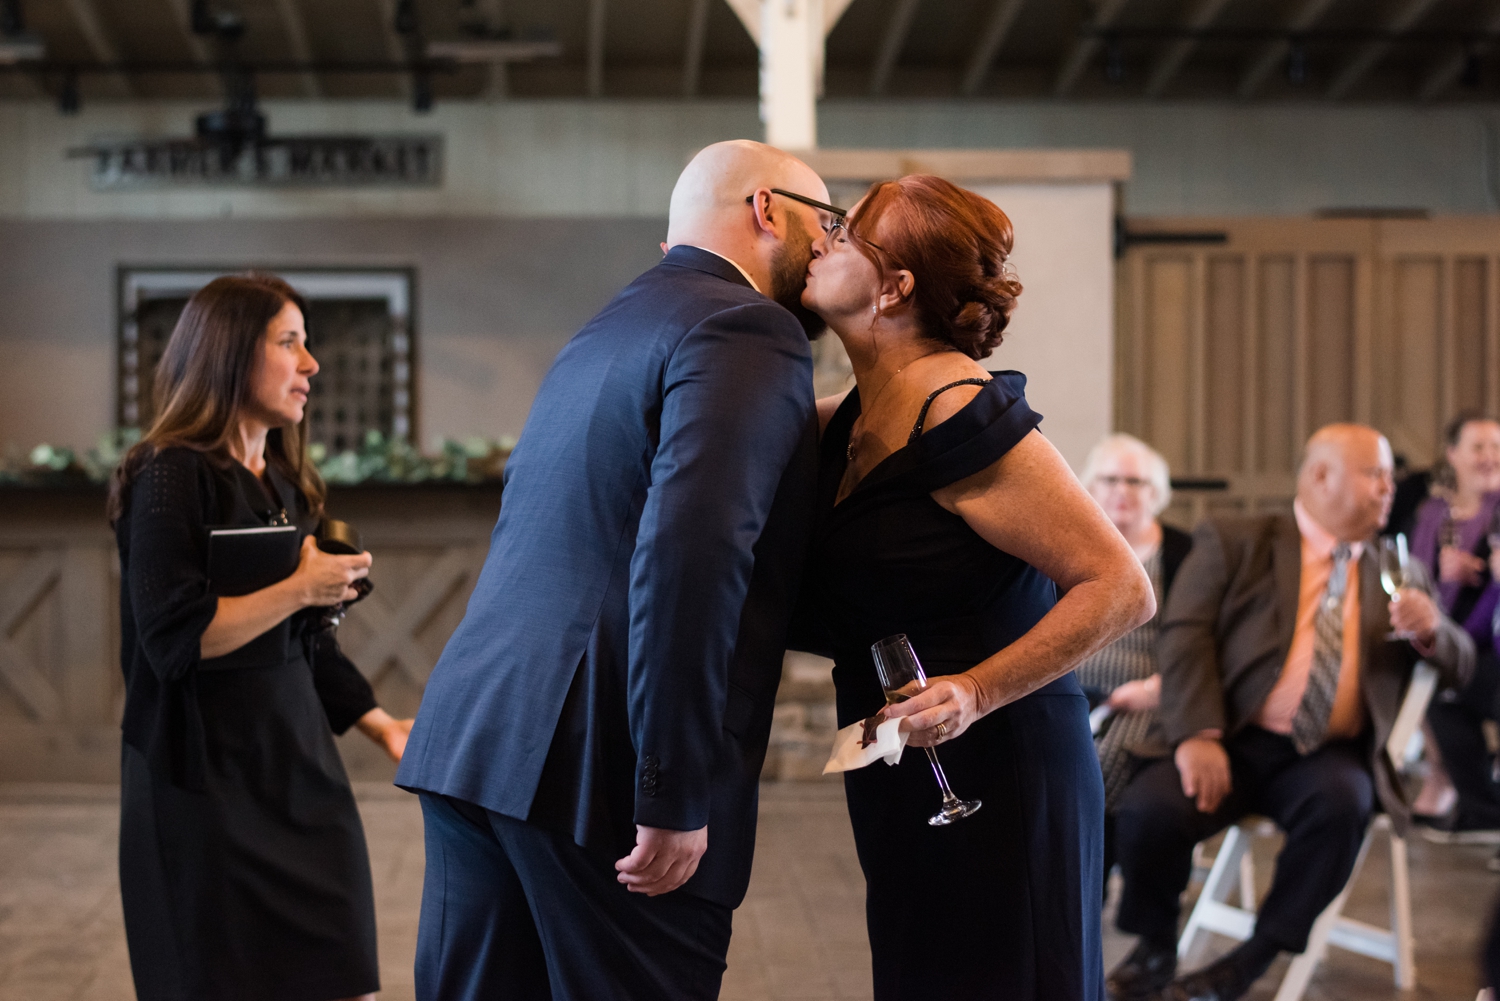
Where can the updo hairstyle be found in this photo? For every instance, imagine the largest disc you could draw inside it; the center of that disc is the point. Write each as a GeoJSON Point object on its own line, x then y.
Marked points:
{"type": "Point", "coordinates": [956, 245]}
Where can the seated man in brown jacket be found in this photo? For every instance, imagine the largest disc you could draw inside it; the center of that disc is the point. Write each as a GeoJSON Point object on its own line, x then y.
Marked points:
{"type": "Point", "coordinates": [1279, 690]}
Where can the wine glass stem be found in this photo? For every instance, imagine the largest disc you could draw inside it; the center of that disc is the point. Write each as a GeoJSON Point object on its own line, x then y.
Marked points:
{"type": "Point", "coordinates": [942, 779]}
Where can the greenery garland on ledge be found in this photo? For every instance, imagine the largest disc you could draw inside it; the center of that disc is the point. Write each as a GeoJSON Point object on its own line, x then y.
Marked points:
{"type": "Point", "coordinates": [377, 460]}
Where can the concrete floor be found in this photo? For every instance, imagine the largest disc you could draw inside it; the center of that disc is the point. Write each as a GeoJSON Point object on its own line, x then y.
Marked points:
{"type": "Point", "coordinates": [799, 935]}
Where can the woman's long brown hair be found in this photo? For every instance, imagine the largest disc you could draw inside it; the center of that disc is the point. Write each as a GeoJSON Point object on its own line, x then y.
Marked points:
{"type": "Point", "coordinates": [203, 385]}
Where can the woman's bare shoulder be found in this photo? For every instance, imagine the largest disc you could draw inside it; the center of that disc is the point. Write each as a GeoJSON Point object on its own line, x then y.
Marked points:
{"type": "Point", "coordinates": [827, 406]}
{"type": "Point", "coordinates": [945, 405]}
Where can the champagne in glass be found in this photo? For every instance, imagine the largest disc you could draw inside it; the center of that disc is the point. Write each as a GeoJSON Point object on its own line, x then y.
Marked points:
{"type": "Point", "coordinates": [1393, 562]}
{"type": "Point", "coordinates": [901, 676]}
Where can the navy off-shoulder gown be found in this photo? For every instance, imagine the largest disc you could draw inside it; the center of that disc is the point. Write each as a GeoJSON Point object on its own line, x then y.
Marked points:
{"type": "Point", "coordinates": [1004, 905]}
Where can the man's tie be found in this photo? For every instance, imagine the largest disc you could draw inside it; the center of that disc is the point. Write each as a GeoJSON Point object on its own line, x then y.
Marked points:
{"type": "Point", "coordinates": [1310, 725]}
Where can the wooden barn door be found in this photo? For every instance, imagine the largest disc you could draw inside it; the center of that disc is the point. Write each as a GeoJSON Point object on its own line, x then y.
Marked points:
{"type": "Point", "coordinates": [1229, 355]}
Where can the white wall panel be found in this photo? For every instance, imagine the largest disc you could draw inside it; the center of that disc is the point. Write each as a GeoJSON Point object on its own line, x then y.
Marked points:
{"type": "Point", "coordinates": [1061, 334]}
{"type": "Point", "coordinates": [619, 158]}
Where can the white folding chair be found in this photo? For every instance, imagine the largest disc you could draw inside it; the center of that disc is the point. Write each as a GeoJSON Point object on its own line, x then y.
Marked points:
{"type": "Point", "coordinates": [1234, 869]}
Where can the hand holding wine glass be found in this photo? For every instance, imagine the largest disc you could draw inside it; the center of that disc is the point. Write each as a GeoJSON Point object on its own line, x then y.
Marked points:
{"type": "Point", "coordinates": [901, 676]}
{"type": "Point", "coordinates": [1394, 559]}
{"type": "Point", "coordinates": [1414, 615]}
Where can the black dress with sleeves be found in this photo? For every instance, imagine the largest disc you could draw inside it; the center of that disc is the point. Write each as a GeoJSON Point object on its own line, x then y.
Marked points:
{"type": "Point", "coordinates": [1003, 905]}
{"type": "Point", "coordinates": [243, 868]}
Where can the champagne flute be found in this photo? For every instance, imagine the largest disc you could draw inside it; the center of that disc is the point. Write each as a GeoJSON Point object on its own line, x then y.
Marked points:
{"type": "Point", "coordinates": [1393, 575]}
{"type": "Point", "coordinates": [900, 674]}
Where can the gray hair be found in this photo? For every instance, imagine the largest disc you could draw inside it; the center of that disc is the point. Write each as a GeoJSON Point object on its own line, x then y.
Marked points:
{"type": "Point", "coordinates": [1158, 471]}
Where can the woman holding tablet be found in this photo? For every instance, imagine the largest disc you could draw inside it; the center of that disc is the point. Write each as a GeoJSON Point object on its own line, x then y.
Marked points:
{"type": "Point", "coordinates": [243, 868]}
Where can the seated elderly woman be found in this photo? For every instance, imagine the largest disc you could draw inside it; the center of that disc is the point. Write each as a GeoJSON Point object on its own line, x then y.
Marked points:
{"type": "Point", "coordinates": [1131, 482]}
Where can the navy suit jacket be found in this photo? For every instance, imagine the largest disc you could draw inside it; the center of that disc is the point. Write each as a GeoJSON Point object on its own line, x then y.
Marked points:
{"type": "Point", "coordinates": [619, 658]}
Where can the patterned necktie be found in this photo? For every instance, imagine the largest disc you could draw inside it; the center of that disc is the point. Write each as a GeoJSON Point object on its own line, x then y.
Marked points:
{"type": "Point", "coordinates": [1310, 725]}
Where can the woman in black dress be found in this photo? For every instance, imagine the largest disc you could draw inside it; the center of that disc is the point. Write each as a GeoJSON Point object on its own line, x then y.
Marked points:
{"type": "Point", "coordinates": [946, 516]}
{"type": "Point", "coordinates": [243, 869]}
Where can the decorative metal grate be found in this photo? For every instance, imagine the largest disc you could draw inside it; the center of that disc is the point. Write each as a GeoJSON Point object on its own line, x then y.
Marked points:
{"type": "Point", "coordinates": [359, 327]}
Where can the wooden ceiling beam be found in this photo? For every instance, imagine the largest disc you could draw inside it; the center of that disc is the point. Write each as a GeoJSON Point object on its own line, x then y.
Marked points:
{"type": "Point", "coordinates": [1449, 70]}
{"type": "Point", "coordinates": [1405, 17]}
{"type": "Point", "coordinates": [497, 85]}
{"type": "Point", "coordinates": [1307, 14]}
{"type": "Point", "coordinates": [395, 45]}
{"type": "Point", "coordinates": [295, 27]}
{"type": "Point", "coordinates": [101, 43]}
{"type": "Point", "coordinates": [598, 16]}
{"type": "Point", "coordinates": [897, 29]}
{"type": "Point", "coordinates": [1077, 59]}
{"type": "Point", "coordinates": [1166, 66]}
{"type": "Point", "coordinates": [991, 40]}
{"type": "Point", "coordinates": [197, 48]}
{"type": "Point", "coordinates": [692, 58]}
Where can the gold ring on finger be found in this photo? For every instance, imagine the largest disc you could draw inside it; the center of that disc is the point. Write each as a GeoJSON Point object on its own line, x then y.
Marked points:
{"type": "Point", "coordinates": [942, 730]}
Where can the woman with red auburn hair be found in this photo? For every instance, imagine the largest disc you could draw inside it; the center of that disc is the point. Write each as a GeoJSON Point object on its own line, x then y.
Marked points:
{"type": "Point", "coordinates": [946, 516]}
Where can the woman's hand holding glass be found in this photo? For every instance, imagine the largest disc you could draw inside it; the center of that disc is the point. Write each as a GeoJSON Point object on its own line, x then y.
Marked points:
{"type": "Point", "coordinates": [324, 578]}
{"type": "Point", "coordinates": [952, 700]}
{"type": "Point", "coordinates": [1455, 566]}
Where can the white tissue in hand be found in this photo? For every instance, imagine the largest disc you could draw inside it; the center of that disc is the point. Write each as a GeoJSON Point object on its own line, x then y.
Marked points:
{"type": "Point", "coordinates": [848, 755]}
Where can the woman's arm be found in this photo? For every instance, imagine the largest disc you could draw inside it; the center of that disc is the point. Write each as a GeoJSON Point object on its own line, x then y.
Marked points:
{"type": "Point", "coordinates": [1030, 505]}
{"type": "Point", "coordinates": [320, 579]}
{"type": "Point", "coordinates": [386, 731]}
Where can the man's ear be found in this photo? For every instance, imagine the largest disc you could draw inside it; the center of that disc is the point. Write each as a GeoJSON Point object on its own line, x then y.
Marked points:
{"type": "Point", "coordinates": [664, 248]}
{"type": "Point", "coordinates": [763, 211]}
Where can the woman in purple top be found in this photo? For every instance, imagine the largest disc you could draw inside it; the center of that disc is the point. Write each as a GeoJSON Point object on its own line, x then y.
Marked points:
{"type": "Point", "coordinates": [1456, 536]}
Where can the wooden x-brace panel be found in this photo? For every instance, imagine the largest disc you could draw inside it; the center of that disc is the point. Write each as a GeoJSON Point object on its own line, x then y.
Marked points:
{"type": "Point", "coordinates": [18, 599]}
{"type": "Point", "coordinates": [392, 630]}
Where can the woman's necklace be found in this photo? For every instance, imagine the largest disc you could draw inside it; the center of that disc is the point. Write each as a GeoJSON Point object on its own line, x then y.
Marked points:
{"type": "Point", "coordinates": [849, 450]}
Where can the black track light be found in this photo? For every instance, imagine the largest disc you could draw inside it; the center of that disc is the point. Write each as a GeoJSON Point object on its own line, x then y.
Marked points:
{"type": "Point", "coordinates": [1473, 72]}
{"type": "Point", "coordinates": [1114, 60]}
{"type": "Point", "coordinates": [421, 92]}
{"type": "Point", "coordinates": [203, 22]}
{"type": "Point", "coordinates": [406, 18]}
{"type": "Point", "coordinates": [12, 18]}
{"type": "Point", "coordinates": [68, 101]}
{"type": "Point", "coordinates": [1296, 64]}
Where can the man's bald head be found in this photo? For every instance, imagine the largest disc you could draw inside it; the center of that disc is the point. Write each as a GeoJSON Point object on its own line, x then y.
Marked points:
{"type": "Point", "coordinates": [1346, 480]}
{"type": "Point", "coordinates": [710, 193]}
{"type": "Point", "coordinates": [723, 203]}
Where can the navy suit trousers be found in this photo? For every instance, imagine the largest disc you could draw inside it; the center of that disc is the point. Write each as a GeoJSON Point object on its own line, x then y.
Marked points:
{"type": "Point", "coordinates": [512, 911]}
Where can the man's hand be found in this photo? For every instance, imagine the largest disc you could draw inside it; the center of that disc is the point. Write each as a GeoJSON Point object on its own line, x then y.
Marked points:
{"type": "Point", "coordinates": [1137, 696]}
{"type": "Point", "coordinates": [1204, 768]}
{"type": "Point", "coordinates": [1414, 612]}
{"type": "Point", "coordinates": [663, 860]}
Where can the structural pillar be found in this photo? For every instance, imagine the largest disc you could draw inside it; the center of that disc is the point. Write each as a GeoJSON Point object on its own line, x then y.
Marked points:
{"type": "Point", "coordinates": [790, 35]}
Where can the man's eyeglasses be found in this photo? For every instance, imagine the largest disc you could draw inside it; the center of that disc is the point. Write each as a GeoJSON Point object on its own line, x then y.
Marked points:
{"type": "Point", "coordinates": [840, 216]}
{"type": "Point", "coordinates": [836, 212]}
{"type": "Point", "coordinates": [1133, 482]}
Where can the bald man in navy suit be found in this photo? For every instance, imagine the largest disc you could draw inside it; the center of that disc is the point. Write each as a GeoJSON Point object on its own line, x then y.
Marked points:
{"type": "Point", "coordinates": [589, 746]}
